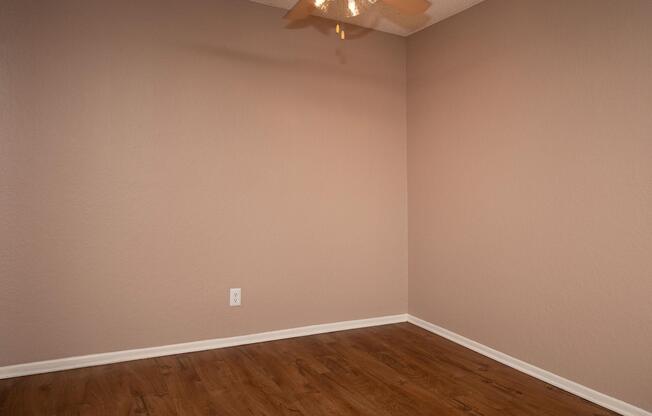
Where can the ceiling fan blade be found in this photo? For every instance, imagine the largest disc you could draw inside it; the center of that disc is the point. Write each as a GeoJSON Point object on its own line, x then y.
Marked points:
{"type": "Point", "coordinates": [300, 10]}
{"type": "Point", "coordinates": [409, 6]}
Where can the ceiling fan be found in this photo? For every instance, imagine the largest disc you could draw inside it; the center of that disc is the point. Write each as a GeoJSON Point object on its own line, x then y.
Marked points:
{"type": "Point", "coordinates": [340, 10]}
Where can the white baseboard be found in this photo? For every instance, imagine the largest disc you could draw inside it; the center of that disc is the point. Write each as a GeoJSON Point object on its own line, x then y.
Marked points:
{"type": "Point", "coordinates": [141, 353]}
{"type": "Point", "coordinates": [584, 392]}
{"type": "Point", "coordinates": [603, 400]}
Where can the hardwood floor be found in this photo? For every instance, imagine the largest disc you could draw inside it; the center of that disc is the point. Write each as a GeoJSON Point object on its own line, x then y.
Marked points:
{"type": "Point", "coordinates": [387, 370]}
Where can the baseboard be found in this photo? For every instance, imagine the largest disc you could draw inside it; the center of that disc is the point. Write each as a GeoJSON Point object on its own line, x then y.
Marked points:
{"type": "Point", "coordinates": [584, 392]}
{"type": "Point", "coordinates": [141, 353]}
{"type": "Point", "coordinates": [601, 399]}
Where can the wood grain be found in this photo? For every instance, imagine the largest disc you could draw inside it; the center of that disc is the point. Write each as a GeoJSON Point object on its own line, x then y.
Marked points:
{"type": "Point", "coordinates": [395, 369]}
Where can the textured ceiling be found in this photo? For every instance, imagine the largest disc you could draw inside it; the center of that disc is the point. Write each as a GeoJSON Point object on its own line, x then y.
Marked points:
{"type": "Point", "coordinates": [386, 19]}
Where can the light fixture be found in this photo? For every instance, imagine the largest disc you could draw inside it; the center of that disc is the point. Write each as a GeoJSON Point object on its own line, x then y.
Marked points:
{"type": "Point", "coordinates": [353, 8]}
{"type": "Point", "coordinates": [340, 10]}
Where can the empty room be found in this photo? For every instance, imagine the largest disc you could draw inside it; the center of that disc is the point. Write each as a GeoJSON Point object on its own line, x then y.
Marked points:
{"type": "Point", "coordinates": [326, 207]}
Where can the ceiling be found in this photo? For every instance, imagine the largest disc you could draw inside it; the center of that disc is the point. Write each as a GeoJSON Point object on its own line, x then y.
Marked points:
{"type": "Point", "coordinates": [386, 19]}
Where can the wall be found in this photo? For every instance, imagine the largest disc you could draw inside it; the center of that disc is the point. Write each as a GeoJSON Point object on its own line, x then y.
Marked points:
{"type": "Point", "coordinates": [530, 185]}
{"type": "Point", "coordinates": [155, 153]}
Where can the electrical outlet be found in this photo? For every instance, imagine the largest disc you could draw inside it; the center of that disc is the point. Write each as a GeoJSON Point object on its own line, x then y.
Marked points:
{"type": "Point", "coordinates": [235, 296]}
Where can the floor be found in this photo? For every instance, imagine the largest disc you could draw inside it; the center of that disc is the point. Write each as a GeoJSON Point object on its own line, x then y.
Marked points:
{"type": "Point", "coordinates": [387, 370]}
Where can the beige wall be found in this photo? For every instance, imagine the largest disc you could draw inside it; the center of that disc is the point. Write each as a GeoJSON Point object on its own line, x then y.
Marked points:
{"type": "Point", "coordinates": [155, 153]}
{"type": "Point", "coordinates": [530, 185]}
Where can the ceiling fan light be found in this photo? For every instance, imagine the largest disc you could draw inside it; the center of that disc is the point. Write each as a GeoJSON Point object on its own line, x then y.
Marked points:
{"type": "Point", "coordinates": [320, 4]}
{"type": "Point", "coordinates": [353, 8]}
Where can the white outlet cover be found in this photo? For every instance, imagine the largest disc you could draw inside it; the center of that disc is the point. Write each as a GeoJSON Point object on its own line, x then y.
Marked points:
{"type": "Point", "coordinates": [235, 296]}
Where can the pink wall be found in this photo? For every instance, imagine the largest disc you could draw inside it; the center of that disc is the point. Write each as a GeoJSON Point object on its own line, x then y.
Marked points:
{"type": "Point", "coordinates": [530, 185]}
{"type": "Point", "coordinates": [154, 154]}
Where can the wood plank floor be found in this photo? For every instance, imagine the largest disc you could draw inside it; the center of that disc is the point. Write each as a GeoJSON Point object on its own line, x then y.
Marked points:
{"type": "Point", "coordinates": [387, 370]}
